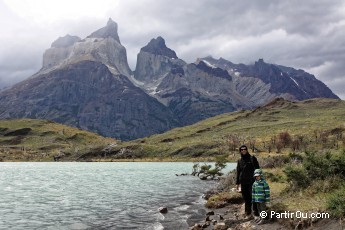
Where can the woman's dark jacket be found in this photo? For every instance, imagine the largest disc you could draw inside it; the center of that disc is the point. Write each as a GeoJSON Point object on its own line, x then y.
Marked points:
{"type": "Point", "coordinates": [245, 169]}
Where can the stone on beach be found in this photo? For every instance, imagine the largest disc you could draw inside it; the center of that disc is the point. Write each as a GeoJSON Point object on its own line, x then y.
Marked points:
{"type": "Point", "coordinates": [163, 210]}
{"type": "Point", "coordinates": [211, 213]}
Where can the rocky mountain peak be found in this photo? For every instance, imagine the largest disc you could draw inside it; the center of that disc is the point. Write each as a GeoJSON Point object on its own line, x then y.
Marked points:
{"type": "Point", "coordinates": [110, 30]}
{"type": "Point", "coordinates": [102, 46]}
{"type": "Point", "coordinates": [66, 41]}
{"type": "Point", "coordinates": [261, 64]}
{"type": "Point", "coordinates": [157, 46]}
{"type": "Point", "coordinates": [260, 61]}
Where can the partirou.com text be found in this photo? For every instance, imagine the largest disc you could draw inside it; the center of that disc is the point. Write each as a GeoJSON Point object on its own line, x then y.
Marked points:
{"type": "Point", "coordinates": [296, 214]}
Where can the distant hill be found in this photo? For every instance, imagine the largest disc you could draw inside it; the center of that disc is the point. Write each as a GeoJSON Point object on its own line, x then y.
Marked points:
{"type": "Point", "coordinates": [316, 123]}
{"type": "Point", "coordinates": [40, 140]}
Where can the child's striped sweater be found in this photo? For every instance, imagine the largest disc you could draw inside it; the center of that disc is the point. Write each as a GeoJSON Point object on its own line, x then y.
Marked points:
{"type": "Point", "coordinates": [260, 191]}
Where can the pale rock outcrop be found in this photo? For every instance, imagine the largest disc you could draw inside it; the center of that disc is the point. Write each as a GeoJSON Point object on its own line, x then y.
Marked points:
{"type": "Point", "coordinates": [102, 46]}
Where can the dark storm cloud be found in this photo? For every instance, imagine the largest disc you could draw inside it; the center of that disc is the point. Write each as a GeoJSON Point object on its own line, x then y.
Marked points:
{"type": "Point", "coordinates": [301, 34]}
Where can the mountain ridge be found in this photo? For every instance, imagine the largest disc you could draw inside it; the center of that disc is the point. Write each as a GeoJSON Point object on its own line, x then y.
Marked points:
{"type": "Point", "coordinates": [168, 92]}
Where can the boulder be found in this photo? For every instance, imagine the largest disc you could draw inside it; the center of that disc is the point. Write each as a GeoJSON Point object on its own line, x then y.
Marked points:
{"type": "Point", "coordinates": [163, 210]}
{"type": "Point", "coordinates": [211, 213]}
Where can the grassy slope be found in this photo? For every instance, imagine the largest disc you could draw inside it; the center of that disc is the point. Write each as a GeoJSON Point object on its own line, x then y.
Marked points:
{"type": "Point", "coordinates": [202, 140]}
{"type": "Point", "coordinates": [45, 140]}
{"type": "Point", "coordinates": [210, 137]}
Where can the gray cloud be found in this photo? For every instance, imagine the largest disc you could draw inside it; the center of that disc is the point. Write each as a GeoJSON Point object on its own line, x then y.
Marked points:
{"type": "Point", "coordinates": [301, 34]}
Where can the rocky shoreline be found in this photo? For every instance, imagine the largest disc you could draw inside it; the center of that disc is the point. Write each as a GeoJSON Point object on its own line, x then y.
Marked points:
{"type": "Point", "coordinates": [229, 214]}
{"type": "Point", "coordinates": [230, 217]}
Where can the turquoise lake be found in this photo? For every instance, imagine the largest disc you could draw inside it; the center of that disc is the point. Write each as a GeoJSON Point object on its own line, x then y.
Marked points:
{"type": "Point", "coordinates": [76, 195]}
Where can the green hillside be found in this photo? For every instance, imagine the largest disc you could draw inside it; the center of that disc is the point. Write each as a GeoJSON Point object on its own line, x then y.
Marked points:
{"type": "Point", "coordinates": [39, 140]}
{"type": "Point", "coordinates": [312, 125]}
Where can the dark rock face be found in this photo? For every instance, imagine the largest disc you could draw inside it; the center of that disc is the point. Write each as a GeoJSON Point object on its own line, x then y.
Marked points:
{"type": "Point", "coordinates": [199, 93]}
{"type": "Point", "coordinates": [217, 72]}
{"type": "Point", "coordinates": [191, 91]}
{"type": "Point", "coordinates": [87, 95]}
{"type": "Point", "coordinates": [311, 87]}
{"type": "Point", "coordinates": [263, 82]}
{"type": "Point", "coordinates": [157, 46]}
{"type": "Point", "coordinates": [154, 61]}
{"type": "Point", "coordinates": [279, 80]}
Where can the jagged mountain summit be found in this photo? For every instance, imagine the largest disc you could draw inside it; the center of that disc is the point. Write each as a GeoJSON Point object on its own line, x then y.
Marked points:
{"type": "Point", "coordinates": [87, 83]}
{"type": "Point", "coordinates": [102, 46]}
{"type": "Point", "coordinates": [262, 82]}
{"type": "Point", "coordinates": [153, 62]}
{"type": "Point", "coordinates": [84, 83]}
{"type": "Point", "coordinates": [191, 91]}
{"type": "Point", "coordinates": [210, 87]}
{"type": "Point", "coordinates": [109, 31]}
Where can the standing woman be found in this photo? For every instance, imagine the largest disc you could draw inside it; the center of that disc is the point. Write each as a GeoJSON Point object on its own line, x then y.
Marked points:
{"type": "Point", "coordinates": [244, 179]}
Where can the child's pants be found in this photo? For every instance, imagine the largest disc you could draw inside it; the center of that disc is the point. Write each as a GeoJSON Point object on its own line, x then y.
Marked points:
{"type": "Point", "coordinates": [261, 207]}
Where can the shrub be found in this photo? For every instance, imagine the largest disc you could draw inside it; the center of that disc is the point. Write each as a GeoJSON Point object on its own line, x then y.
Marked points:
{"type": "Point", "coordinates": [295, 157]}
{"type": "Point", "coordinates": [204, 168]}
{"type": "Point", "coordinates": [208, 170]}
{"type": "Point", "coordinates": [297, 177]}
{"type": "Point", "coordinates": [220, 162]}
{"type": "Point", "coordinates": [320, 166]}
{"type": "Point", "coordinates": [336, 202]}
{"type": "Point", "coordinates": [274, 177]}
{"type": "Point", "coordinates": [196, 169]}
{"type": "Point", "coordinates": [317, 167]}
{"type": "Point", "coordinates": [327, 185]}
{"type": "Point", "coordinates": [285, 139]}
{"type": "Point", "coordinates": [338, 164]}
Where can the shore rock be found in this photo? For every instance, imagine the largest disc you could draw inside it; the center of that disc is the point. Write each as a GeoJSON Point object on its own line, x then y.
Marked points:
{"type": "Point", "coordinates": [163, 210]}
{"type": "Point", "coordinates": [211, 213]}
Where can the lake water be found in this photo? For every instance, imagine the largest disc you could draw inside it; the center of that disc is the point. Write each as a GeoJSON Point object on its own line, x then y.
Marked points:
{"type": "Point", "coordinates": [100, 195]}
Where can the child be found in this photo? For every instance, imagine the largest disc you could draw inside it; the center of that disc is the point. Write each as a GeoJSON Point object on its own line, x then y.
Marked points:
{"type": "Point", "coordinates": [260, 194]}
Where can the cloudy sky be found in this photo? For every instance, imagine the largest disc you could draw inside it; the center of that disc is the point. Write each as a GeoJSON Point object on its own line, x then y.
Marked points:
{"type": "Point", "coordinates": [306, 34]}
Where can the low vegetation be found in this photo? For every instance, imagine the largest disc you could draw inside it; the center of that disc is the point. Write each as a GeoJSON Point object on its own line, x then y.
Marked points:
{"type": "Point", "coordinates": [39, 140]}
{"type": "Point", "coordinates": [206, 171]}
{"type": "Point", "coordinates": [320, 176]}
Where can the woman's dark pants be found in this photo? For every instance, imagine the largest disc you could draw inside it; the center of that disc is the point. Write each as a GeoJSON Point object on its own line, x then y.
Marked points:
{"type": "Point", "coordinates": [247, 197]}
